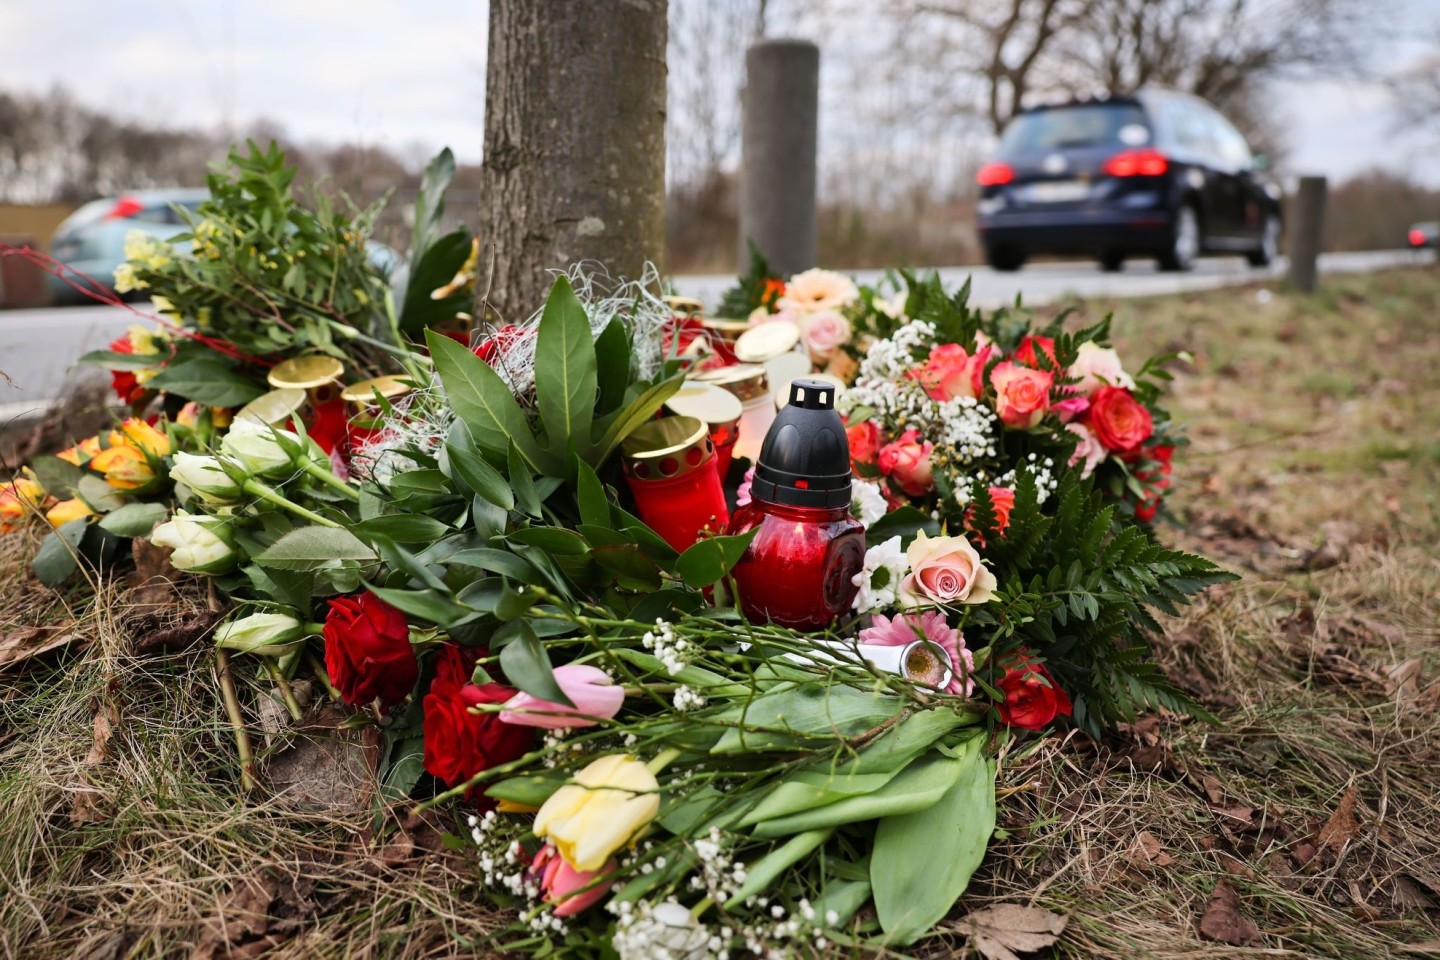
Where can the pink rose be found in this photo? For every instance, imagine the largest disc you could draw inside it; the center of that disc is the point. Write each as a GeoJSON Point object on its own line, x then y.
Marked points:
{"type": "Point", "coordinates": [907, 462]}
{"type": "Point", "coordinates": [864, 440]}
{"type": "Point", "coordinates": [1022, 395]}
{"type": "Point", "coordinates": [1097, 367]}
{"type": "Point", "coordinates": [1071, 408]}
{"type": "Point", "coordinates": [1089, 450]}
{"type": "Point", "coordinates": [823, 332]}
{"type": "Point", "coordinates": [944, 570]}
{"type": "Point", "coordinates": [951, 372]}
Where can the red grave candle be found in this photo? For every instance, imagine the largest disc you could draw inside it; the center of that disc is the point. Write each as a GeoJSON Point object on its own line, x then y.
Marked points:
{"type": "Point", "coordinates": [671, 469]}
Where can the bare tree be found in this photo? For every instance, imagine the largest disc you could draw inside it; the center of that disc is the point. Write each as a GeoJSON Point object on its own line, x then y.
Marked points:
{"type": "Point", "coordinates": [574, 141]}
{"type": "Point", "coordinates": [1416, 89]}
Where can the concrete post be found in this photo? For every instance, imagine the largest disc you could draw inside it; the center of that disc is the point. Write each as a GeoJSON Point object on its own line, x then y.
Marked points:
{"type": "Point", "coordinates": [1306, 224]}
{"type": "Point", "coordinates": [777, 186]}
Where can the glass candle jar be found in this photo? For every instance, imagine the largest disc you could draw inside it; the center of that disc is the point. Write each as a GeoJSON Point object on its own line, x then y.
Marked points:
{"type": "Point", "coordinates": [799, 569]}
{"type": "Point", "coordinates": [748, 382]}
{"type": "Point", "coordinates": [671, 469]}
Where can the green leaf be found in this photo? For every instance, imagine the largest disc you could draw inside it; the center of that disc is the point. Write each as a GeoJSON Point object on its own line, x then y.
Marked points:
{"type": "Point", "coordinates": [429, 271]}
{"type": "Point", "coordinates": [590, 495]}
{"type": "Point", "coordinates": [112, 360]}
{"type": "Point", "coordinates": [612, 358]}
{"type": "Point", "coordinates": [556, 541]}
{"type": "Point", "coordinates": [207, 380]}
{"type": "Point", "coordinates": [481, 399]}
{"type": "Point", "coordinates": [60, 478]}
{"type": "Point", "coordinates": [905, 522]}
{"type": "Point", "coordinates": [948, 837]}
{"type": "Point", "coordinates": [793, 716]}
{"type": "Point", "coordinates": [134, 519]}
{"type": "Point", "coordinates": [502, 562]}
{"type": "Point", "coordinates": [630, 567]}
{"type": "Point", "coordinates": [760, 874]}
{"type": "Point", "coordinates": [306, 548]}
{"type": "Point", "coordinates": [527, 667]}
{"type": "Point", "coordinates": [430, 203]}
{"type": "Point", "coordinates": [918, 787]}
{"type": "Point", "coordinates": [708, 561]}
{"type": "Point", "coordinates": [57, 557]}
{"type": "Point", "coordinates": [401, 528]}
{"type": "Point", "coordinates": [523, 485]}
{"type": "Point", "coordinates": [532, 789]}
{"type": "Point", "coordinates": [424, 604]}
{"type": "Point", "coordinates": [565, 370]}
{"type": "Point", "coordinates": [403, 561]}
{"type": "Point", "coordinates": [630, 419]}
{"type": "Point", "coordinates": [101, 497]}
{"type": "Point", "coordinates": [473, 472]}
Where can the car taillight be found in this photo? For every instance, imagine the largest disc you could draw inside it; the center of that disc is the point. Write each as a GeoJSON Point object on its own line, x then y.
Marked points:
{"type": "Point", "coordinates": [124, 209]}
{"type": "Point", "coordinates": [1137, 163]}
{"type": "Point", "coordinates": [1417, 238]}
{"type": "Point", "coordinates": [995, 174]}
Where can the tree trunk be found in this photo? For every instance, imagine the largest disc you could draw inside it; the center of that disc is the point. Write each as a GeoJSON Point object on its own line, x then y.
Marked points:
{"type": "Point", "coordinates": [574, 143]}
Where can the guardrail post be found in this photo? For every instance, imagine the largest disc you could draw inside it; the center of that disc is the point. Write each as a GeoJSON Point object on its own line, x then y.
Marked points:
{"type": "Point", "coordinates": [777, 185]}
{"type": "Point", "coordinates": [1305, 227]}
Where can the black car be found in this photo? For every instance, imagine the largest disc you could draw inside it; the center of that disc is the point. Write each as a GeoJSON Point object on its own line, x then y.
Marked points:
{"type": "Point", "coordinates": [1155, 174]}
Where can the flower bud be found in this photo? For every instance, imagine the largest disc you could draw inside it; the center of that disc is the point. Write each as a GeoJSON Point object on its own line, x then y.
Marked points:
{"type": "Point", "coordinates": [200, 543]}
{"type": "Point", "coordinates": [265, 634]}
{"type": "Point", "coordinates": [205, 477]}
{"type": "Point", "coordinates": [263, 450]}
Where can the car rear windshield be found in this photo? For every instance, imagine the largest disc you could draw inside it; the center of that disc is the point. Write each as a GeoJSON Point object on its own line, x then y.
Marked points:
{"type": "Point", "coordinates": [1078, 126]}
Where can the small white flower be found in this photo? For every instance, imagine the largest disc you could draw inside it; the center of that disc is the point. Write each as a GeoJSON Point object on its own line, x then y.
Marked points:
{"type": "Point", "coordinates": [867, 501]}
{"type": "Point", "coordinates": [885, 566]}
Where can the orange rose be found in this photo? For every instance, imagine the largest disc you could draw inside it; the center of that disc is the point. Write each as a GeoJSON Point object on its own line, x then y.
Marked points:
{"type": "Point", "coordinates": [951, 372]}
{"type": "Point", "coordinates": [1022, 395]}
{"type": "Point", "coordinates": [864, 440]}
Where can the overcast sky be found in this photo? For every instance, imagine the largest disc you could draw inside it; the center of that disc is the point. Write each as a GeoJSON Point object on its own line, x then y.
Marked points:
{"type": "Point", "coordinates": [410, 75]}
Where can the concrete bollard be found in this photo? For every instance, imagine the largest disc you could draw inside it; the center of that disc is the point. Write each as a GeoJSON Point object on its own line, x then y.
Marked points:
{"type": "Point", "coordinates": [1306, 224]}
{"type": "Point", "coordinates": [777, 188]}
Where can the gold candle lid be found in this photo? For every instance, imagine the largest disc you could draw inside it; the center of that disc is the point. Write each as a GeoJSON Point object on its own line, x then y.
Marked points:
{"type": "Point", "coordinates": [686, 306]}
{"type": "Point", "coordinates": [389, 386]}
{"type": "Point", "coordinates": [706, 402]}
{"type": "Point", "coordinates": [782, 370]}
{"type": "Point", "coordinates": [274, 407]}
{"type": "Point", "coordinates": [746, 380]}
{"type": "Point", "coordinates": [725, 329]}
{"type": "Point", "coordinates": [304, 373]}
{"type": "Point", "coordinates": [666, 448]}
{"type": "Point", "coordinates": [766, 341]}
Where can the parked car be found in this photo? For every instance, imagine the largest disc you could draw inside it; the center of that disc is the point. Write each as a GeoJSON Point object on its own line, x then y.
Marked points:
{"type": "Point", "coordinates": [1425, 235]}
{"type": "Point", "coordinates": [1155, 174]}
{"type": "Point", "coordinates": [91, 241]}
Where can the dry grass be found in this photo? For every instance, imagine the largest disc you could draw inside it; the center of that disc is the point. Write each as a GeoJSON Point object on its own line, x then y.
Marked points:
{"type": "Point", "coordinates": [1315, 471]}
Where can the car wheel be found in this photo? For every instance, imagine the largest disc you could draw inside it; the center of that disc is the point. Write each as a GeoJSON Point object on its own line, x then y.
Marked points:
{"type": "Point", "coordinates": [1184, 242]}
{"type": "Point", "coordinates": [1112, 262]}
{"type": "Point", "coordinates": [1005, 259]}
{"type": "Point", "coordinates": [1269, 249]}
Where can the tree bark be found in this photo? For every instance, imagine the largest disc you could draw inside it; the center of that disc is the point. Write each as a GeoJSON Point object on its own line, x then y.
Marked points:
{"type": "Point", "coordinates": [574, 143]}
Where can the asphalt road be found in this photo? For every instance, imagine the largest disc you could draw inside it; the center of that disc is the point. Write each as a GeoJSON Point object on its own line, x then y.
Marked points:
{"type": "Point", "coordinates": [38, 347]}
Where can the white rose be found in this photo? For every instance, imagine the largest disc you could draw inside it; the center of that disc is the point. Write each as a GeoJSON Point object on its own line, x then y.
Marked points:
{"type": "Point", "coordinates": [818, 290]}
{"type": "Point", "coordinates": [197, 543]}
{"type": "Point", "coordinates": [263, 450]}
{"type": "Point", "coordinates": [823, 332]}
{"type": "Point", "coordinates": [205, 477]}
{"type": "Point", "coordinates": [266, 634]}
{"type": "Point", "coordinates": [1097, 367]}
{"type": "Point", "coordinates": [944, 570]}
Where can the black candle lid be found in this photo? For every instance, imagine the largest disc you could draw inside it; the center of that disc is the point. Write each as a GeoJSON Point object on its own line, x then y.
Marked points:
{"type": "Point", "coordinates": [805, 459]}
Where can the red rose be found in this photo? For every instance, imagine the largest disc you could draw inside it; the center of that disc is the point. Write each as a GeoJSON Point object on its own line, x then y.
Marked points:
{"type": "Point", "coordinates": [458, 743]}
{"type": "Point", "coordinates": [503, 339]}
{"type": "Point", "coordinates": [367, 650]}
{"type": "Point", "coordinates": [1032, 697]}
{"type": "Point", "coordinates": [1119, 421]}
{"type": "Point", "coordinates": [1156, 481]}
{"type": "Point", "coordinates": [864, 442]}
{"type": "Point", "coordinates": [123, 382]}
{"type": "Point", "coordinates": [1025, 353]}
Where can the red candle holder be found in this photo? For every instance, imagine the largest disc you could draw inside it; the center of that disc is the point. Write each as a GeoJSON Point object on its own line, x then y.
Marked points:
{"type": "Point", "coordinates": [324, 412]}
{"type": "Point", "coordinates": [364, 411]}
{"type": "Point", "coordinates": [672, 471]}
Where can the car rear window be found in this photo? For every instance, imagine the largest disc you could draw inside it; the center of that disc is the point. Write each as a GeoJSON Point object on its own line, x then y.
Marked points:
{"type": "Point", "coordinates": [1078, 126]}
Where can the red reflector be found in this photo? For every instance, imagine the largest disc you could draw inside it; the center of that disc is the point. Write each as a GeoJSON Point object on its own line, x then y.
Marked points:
{"type": "Point", "coordinates": [802, 484]}
{"type": "Point", "coordinates": [1137, 163]}
{"type": "Point", "coordinates": [124, 209]}
{"type": "Point", "coordinates": [1417, 238]}
{"type": "Point", "coordinates": [995, 174]}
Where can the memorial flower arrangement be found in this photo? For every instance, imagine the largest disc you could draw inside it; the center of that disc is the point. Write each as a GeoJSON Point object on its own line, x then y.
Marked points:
{"type": "Point", "coordinates": [645, 764]}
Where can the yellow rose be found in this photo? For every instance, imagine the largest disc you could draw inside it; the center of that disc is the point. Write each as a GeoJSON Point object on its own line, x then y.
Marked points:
{"type": "Point", "coordinates": [67, 510]}
{"type": "Point", "coordinates": [136, 432]}
{"type": "Point", "coordinates": [17, 499]}
{"type": "Point", "coordinates": [602, 809]}
{"type": "Point", "coordinates": [944, 570]}
{"type": "Point", "coordinates": [81, 452]}
{"type": "Point", "coordinates": [125, 467]}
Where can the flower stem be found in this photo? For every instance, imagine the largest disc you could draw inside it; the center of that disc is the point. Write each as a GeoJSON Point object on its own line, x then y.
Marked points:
{"type": "Point", "coordinates": [237, 720]}
{"type": "Point", "coordinates": [324, 677]}
{"type": "Point", "coordinates": [329, 479]}
{"type": "Point", "coordinates": [663, 760]}
{"type": "Point", "coordinates": [286, 691]}
{"type": "Point", "coordinates": [258, 489]}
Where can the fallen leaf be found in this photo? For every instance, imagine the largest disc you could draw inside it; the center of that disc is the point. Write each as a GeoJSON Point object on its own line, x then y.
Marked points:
{"type": "Point", "coordinates": [1147, 850]}
{"type": "Point", "coordinates": [154, 578]}
{"type": "Point", "coordinates": [1304, 852]}
{"type": "Point", "coordinates": [1223, 921]}
{"type": "Point", "coordinates": [999, 932]}
{"type": "Point", "coordinates": [1404, 678]}
{"type": "Point", "coordinates": [107, 718]}
{"type": "Point", "coordinates": [177, 636]}
{"type": "Point", "coordinates": [325, 766]}
{"type": "Point", "coordinates": [1213, 793]}
{"type": "Point", "coordinates": [28, 642]}
{"type": "Point", "coordinates": [1342, 827]}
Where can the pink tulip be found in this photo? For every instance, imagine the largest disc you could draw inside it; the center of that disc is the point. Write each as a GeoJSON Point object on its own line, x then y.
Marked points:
{"type": "Point", "coordinates": [569, 889]}
{"type": "Point", "coordinates": [592, 691]}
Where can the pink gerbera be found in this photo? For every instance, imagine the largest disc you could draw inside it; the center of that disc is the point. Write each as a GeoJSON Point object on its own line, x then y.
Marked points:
{"type": "Point", "coordinates": [930, 625]}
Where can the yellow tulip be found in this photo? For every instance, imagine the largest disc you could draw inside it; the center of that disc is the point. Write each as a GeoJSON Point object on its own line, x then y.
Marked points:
{"type": "Point", "coordinates": [124, 467]}
{"type": "Point", "coordinates": [140, 434]}
{"type": "Point", "coordinates": [602, 809]}
{"type": "Point", "coordinates": [67, 510]}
